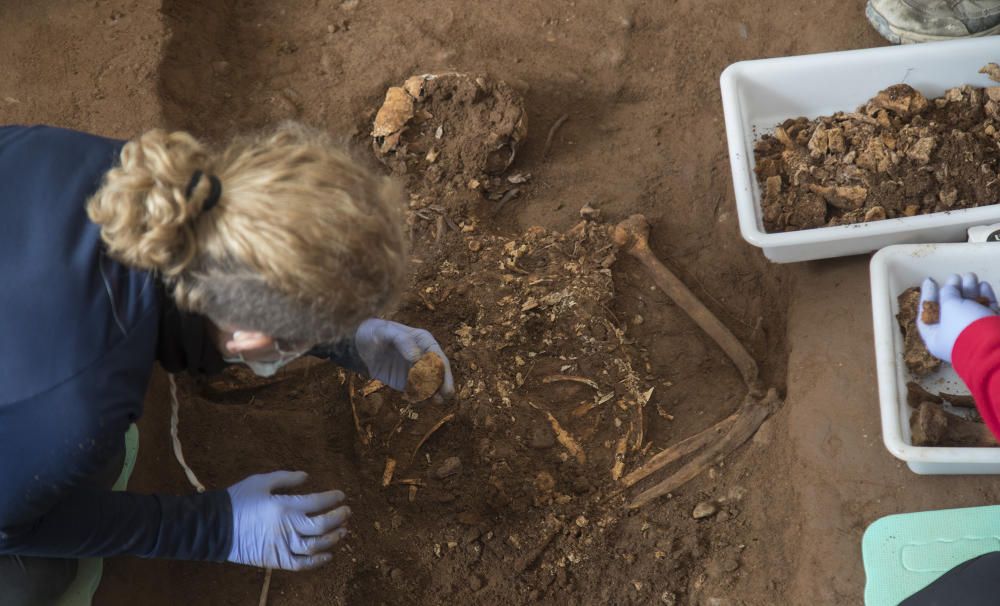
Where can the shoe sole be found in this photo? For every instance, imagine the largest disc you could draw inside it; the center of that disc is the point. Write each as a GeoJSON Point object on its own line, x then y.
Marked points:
{"type": "Point", "coordinates": [898, 35]}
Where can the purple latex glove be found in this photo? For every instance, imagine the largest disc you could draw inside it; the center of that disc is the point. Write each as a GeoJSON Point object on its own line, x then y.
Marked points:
{"type": "Point", "coordinates": [958, 307]}
{"type": "Point", "coordinates": [389, 349]}
{"type": "Point", "coordinates": [288, 532]}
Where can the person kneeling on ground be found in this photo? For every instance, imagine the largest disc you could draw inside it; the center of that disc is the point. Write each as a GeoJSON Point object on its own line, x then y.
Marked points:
{"type": "Point", "coordinates": [967, 335]}
{"type": "Point", "coordinates": [118, 255]}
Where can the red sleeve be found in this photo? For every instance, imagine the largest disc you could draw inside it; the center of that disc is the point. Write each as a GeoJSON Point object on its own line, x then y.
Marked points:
{"type": "Point", "coordinates": [976, 358]}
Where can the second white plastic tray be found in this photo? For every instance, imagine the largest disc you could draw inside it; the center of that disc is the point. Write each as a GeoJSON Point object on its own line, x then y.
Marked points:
{"type": "Point", "coordinates": [893, 270]}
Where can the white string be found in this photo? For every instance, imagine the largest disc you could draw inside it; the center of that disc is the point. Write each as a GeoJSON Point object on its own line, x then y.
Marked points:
{"type": "Point", "coordinates": [266, 587]}
{"type": "Point", "coordinates": [175, 419]}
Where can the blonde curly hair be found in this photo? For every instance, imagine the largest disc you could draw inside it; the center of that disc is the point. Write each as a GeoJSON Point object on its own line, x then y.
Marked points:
{"type": "Point", "coordinates": [303, 244]}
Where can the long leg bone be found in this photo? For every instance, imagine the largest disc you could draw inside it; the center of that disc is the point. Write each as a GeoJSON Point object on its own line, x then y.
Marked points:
{"type": "Point", "coordinates": [748, 419]}
{"type": "Point", "coordinates": [681, 449]}
{"type": "Point", "coordinates": [632, 236]}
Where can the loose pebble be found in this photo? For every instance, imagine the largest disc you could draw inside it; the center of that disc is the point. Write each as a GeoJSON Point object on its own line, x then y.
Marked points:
{"type": "Point", "coordinates": [705, 509]}
{"type": "Point", "coordinates": [541, 437]}
{"type": "Point", "coordinates": [450, 467]}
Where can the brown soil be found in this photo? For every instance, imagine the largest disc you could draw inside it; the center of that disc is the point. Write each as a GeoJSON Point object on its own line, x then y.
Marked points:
{"type": "Point", "coordinates": [932, 425]}
{"type": "Point", "coordinates": [928, 424]}
{"type": "Point", "coordinates": [918, 360]}
{"type": "Point", "coordinates": [899, 155]}
{"type": "Point", "coordinates": [916, 395]}
{"type": "Point", "coordinates": [992, 70]}
{"type": "Point", "coordinates": [643, 135]}
{"type": "Point", "coordinates": [425, 378]}
{"type": "Point", "coordinates": [449, 130]}
{"type": "Point", "coordinates": [930, 313]}
{"type": "Point", "coordinates": [451, 137]}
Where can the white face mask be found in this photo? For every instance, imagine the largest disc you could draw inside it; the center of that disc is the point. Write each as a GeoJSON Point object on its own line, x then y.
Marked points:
{"type": "Point", "coordinates": [263, 368]}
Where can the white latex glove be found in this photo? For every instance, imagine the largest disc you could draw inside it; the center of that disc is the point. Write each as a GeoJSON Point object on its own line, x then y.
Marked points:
{"type": "Point", "coordinates": [288, 532]}
{"type": "Point", "coordinates": [389, 349]}
{"type": "Point", "coordinates": [958, 307]}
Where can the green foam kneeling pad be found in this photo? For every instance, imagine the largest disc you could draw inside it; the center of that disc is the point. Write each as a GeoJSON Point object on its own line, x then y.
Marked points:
{"type": "Point", "coordinates": [906, 552]}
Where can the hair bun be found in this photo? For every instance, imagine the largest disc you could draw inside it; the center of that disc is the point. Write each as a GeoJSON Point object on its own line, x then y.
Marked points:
{"type": "Point", "coordinates": [145, 207]}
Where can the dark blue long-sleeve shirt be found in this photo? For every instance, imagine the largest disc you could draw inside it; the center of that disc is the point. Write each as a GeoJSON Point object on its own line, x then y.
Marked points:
{"type": "Point", "coordinates": [79, 335]}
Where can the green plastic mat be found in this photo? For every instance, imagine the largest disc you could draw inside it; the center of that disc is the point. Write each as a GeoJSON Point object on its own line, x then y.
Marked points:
{"type": "Point", "coordinates": [89, 571]}
{"type": "Point", "coordinates": [905, 553]}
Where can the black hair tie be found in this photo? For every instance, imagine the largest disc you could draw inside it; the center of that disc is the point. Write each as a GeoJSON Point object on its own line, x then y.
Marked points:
{"type": "Point", "coordinates": [213, 195]}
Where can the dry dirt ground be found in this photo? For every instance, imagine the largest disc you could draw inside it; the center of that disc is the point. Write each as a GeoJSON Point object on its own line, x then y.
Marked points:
{"type": "Point", "coordinates": [639, 82]}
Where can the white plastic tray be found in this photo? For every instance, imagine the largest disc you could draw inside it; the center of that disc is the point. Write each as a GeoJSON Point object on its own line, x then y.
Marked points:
{"type": "Point", "coordinates": [893, 270]}
{"type": "Point", "coordinates": [759, 95]}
